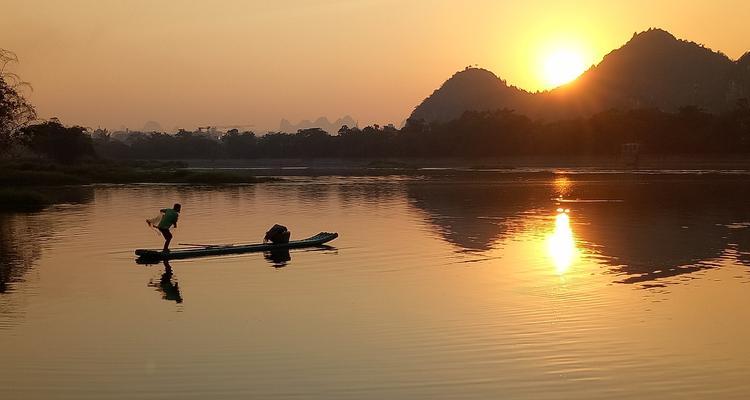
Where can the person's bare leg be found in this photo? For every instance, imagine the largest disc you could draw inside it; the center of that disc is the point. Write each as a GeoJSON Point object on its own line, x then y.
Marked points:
{"type": "Point", "coordinates": [167, 238]}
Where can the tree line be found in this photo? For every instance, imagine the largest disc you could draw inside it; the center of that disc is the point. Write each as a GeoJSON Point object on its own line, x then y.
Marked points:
{"type": "Point", "coordinates": [474, 134]}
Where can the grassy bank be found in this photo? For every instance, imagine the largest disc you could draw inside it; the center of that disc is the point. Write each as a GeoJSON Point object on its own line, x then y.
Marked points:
{"type": "Point", "coordinates": [34, 185]}
{"type": "Point", "coordinates": [24, 174]}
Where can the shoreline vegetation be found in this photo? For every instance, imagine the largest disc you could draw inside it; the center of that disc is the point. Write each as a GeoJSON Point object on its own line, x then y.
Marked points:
{"type": "Point", "coordinates": [280, 167]}
{"type": "Point", "coordinates": [26, 184]}
{"type": "Point", "coordinates": [474, 135]}
{"type": "Point", "coordinates": [40, 173]}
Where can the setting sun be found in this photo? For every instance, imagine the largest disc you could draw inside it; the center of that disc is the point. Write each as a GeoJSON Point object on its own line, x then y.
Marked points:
{"type": "Point", "coordinates": [562, 66]}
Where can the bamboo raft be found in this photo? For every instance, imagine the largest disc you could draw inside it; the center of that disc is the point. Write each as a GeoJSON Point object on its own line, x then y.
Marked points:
{"type": "Point", "coordinates": [222, 249]}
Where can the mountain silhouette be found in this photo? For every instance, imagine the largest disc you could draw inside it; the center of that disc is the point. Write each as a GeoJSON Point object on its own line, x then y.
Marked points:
{"type": "Point", "coordinates": [654, 69]}
{"type": "Point", "coordinates": [473, 89]}
{"type": "Point", "coordinates": [322, 123]}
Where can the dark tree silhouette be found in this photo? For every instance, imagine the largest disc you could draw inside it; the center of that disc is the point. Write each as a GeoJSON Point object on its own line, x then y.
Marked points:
{"type": "Point", "coordinates": [240, 145]}
{"type": "Point", "coordinates": [57, 142]}
{"type": "Point", "coordinates": [15, 110]}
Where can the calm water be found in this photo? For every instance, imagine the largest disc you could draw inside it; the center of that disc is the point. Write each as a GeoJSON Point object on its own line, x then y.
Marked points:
{"type": "Point", "coordinates": [478, 286]}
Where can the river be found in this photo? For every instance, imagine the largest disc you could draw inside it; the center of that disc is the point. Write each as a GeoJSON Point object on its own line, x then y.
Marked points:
{"type": "Point", "coordinates": [453, 286]}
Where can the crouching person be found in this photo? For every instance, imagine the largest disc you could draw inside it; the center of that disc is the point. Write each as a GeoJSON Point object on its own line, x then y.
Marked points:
{"type": "Point", "coordinates": [278, 234]}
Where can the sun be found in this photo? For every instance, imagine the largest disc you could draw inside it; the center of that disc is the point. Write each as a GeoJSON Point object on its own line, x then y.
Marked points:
{"type": "Point", "coordinates": [562, 66]}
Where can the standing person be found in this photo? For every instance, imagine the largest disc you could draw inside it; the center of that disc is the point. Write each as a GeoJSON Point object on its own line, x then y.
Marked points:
{"type": "Point", "coordinates": [169, 218]}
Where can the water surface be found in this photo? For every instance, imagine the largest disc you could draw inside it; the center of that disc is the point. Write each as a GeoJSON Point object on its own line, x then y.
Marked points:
{"type": "Point", "coordinates": [523, 286]}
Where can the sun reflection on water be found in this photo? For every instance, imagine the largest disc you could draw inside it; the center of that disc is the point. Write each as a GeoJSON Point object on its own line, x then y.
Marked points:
{"type": "Point", "coordinates": [562, 186]}
{"type": "Point", "coordinates": [561, 243]}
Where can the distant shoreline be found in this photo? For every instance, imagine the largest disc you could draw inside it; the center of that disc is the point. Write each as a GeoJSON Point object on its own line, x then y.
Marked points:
{"type": "Point", "coordinates": [28, 185]}
{"type": "Point", "coordinates": [398, 166]}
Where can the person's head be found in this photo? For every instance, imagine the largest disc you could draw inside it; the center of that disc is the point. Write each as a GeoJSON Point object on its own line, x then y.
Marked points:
{"type": "Point", "coordinates": [177, 207]}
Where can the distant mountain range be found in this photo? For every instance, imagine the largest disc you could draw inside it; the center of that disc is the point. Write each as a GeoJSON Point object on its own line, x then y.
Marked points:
{"type": "Point", "coordinates": [322, 123]}
{"type": "Point", "coordinates": [653, 69]}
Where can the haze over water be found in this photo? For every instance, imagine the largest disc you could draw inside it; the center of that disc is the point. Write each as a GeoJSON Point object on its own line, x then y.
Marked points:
{"type": "Point", "coordinates": [456, 286]}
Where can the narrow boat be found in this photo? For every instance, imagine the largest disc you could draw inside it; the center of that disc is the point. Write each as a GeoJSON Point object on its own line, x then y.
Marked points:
{"type": "Point", "coordinates": [216, 250]}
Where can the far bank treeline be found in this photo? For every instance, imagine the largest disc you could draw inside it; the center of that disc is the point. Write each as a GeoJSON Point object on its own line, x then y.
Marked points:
{"type": "Point", "coordinates": [474, 134]}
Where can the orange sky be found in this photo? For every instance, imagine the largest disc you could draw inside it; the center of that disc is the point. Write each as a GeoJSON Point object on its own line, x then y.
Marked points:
{"type": "Point", "coordinates": [189, 63]}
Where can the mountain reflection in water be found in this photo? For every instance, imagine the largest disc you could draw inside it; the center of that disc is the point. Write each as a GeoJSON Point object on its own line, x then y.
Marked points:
{"type": "Point", "coordinates": [469, 285]}
{"type": "Point", "coordinates": [641, 227]}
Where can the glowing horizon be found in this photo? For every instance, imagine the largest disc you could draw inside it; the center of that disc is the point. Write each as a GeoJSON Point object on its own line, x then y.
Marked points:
{"type": "Point", "coordinates": [112, 64]}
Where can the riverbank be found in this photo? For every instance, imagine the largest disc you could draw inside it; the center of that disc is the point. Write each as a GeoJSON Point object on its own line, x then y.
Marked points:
{"type": "Point", "coordinates": [25, 184]}
{"type": "Point", "coordinates": [23, 180]}
{"type": "Point", "coordinates": [27, 173]}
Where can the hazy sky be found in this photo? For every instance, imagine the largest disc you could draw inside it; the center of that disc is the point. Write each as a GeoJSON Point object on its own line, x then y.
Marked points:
{"type": "Point", "coordinates": [224, 62]}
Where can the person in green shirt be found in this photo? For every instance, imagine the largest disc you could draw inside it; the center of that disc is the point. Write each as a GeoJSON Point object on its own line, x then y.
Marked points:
{"type": "Point", "coordinates": [167, 220]}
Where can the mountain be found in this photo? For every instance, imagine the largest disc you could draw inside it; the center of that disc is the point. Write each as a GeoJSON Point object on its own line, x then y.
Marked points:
{"type": "Point", "coordinates": [322, 123]}
{"type": "Point", "coordinates": [653, 69]}
{"type": "Point", "coordinates": [471, 89]}
{"type": "Point", "coordinates": [152, 126]}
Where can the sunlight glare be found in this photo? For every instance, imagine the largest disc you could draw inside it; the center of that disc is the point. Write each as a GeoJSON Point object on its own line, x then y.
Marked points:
{"type": "Point", "coordinates": [562, 66]}
{"type": "Point", "coordinates": [561, 244]}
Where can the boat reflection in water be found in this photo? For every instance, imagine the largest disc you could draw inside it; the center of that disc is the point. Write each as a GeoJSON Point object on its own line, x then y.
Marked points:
{"type": "Point", "coordinates": [561, 244]}
{"type": "Point", "coordinates": [278, 258]}
{"type": "Point", "coordinates": [167, 285]}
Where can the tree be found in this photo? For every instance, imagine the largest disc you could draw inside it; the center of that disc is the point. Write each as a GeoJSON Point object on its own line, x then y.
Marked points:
{"type": "Point", "coordinates": [15, 111]}
{"type": "Point", "coordinates": [57, 142]}
{"type": "Point", "coordinates": [240, 145]}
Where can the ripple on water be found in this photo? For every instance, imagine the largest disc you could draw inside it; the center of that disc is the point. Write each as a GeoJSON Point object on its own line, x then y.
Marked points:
{"type": "Point", "coordinates": [436, 288]}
